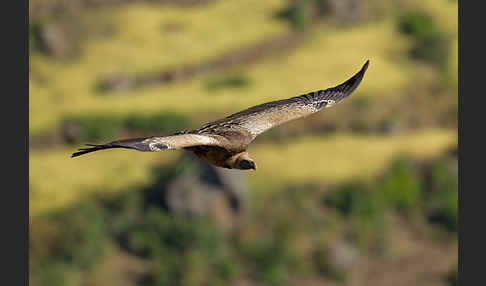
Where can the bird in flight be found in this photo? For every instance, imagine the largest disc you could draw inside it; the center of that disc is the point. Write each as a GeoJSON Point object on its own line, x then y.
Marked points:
{"type": "Point", "coordinates": [224, 143]}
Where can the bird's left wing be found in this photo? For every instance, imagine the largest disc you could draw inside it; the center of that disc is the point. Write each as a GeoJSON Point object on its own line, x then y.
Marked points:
{"type": "Point", "coordinates": [260, 118]}
{"type": "Point", "coordinates": [153, 144]}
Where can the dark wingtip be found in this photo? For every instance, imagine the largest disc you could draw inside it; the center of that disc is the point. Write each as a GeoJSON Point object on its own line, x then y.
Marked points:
{"type": "Point", "coordinates": [365, 66]}
{"type": "Point", "coordinates": [128, 144]}
{"type": "Point", "coordinates": [351, 84]}
{"type": "Point", "coordinates": [359, 75]}
{"type": "Point", "coordinates": [76, 154]}
{"type": "Point", "coordinates": [93, 147]}
{"type": "Point", "coordinates": [81, 152]}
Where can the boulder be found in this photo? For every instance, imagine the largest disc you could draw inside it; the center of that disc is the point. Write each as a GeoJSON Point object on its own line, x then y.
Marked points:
{"type": "Point", "coordinates": [202, 189]}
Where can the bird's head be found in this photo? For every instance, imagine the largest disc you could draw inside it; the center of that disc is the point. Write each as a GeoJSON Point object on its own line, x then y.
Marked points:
{"type": "Point", "coordinates": [244, 162]}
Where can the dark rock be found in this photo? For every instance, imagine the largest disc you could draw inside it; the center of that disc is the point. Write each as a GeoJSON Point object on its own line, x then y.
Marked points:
{"type": "Point", "coordinates": [116, 82]}
{"type": "Point", "coordinates": [72, 132]}
{"type": "Point", "coordinates": [343, 255]}
{"type": "Point", "coordinates": [60, 39]}
{"type": "Point", "coordinates": [348, 11]}
{"type": "Point", "coordinates": [204, 190]}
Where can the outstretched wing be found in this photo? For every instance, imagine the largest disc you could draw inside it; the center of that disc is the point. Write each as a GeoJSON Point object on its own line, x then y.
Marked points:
{"type": "Point", "coordinates": [260, 118]}
{"type": "Point", "coordinates": [153, 144]}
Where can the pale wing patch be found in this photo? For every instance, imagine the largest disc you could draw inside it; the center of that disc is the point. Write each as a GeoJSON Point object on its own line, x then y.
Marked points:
{"type": "Point", "coordinates": [156, 146]}
{"type": "Point", "coordinates": [179, 141]}
{"type": "Point", "coordinates": [330, 102]}
{"type": "Point", "coordinates": [256, 126]}
{"type": "Point", "coordinates": [204, 139]}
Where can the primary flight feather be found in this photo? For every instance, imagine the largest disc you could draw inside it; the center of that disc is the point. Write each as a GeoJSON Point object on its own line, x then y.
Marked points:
{"type": "Point", "coordinates": [224, 142]}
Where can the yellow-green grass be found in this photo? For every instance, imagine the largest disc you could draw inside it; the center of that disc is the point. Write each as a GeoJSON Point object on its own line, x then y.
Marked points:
{"type": "Point", "coordinates": [140, 44]}
{"type": "Point", "coordinates": [56, 180]}
{"type": "Point", "coordinates": [143, 40]}
{"type": "Point", "coordinates": [329, 57]}
{"type": "Point", "coordinates": [340, 157]}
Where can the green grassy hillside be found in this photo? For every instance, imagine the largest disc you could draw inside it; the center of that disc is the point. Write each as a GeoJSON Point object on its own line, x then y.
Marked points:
{"type": "Point", "coordinates": [57, 180]}
{"type": "Point", "coordinates": [368, 186]}
{"type": "Point", "coordinates": [330, 56]}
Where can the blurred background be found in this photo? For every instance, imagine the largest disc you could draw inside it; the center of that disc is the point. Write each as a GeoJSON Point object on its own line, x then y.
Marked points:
{"type": "Point", "coordinates": [364, 193]}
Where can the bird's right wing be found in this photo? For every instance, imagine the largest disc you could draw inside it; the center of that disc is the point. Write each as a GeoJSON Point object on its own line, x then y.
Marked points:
{"type": "Point", "coordinates": [260, 118]}
{"type": "Point", "coordinates": [153, 144]}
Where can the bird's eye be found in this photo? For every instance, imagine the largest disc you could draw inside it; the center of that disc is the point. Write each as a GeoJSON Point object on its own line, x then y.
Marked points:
{"type": "Point", "coordinates": [245, 164]}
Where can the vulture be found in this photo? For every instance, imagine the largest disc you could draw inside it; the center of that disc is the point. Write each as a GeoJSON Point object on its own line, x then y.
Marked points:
{"type": "Point", "coordinates": [224, 142]}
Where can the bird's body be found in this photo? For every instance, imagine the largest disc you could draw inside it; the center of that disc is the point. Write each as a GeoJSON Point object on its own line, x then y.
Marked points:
{"type": "Point", "coordinates": [224, 143]}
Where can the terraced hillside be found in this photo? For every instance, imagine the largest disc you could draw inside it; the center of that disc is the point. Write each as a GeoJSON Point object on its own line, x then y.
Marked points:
{"type": "Point", "coordinates": [105, 69]}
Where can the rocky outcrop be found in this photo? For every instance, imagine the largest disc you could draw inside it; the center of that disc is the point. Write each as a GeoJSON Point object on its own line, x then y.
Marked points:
{"type": "Point", "coordinates": [204, 190]}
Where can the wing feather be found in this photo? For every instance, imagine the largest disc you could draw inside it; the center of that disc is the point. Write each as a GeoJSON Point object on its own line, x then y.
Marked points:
{"type": "Point", "coordinates": [258, 119]}
{"type": "Point", "coordinates": [153, 144]}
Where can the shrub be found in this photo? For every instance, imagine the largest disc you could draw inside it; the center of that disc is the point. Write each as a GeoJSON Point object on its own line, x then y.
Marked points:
{"type": "Point", "coordinates": [452, 278]}
{"type": "Point", "coordinates": [163, 122]}
{"type": "Point", "coordinates": [186, 251]}
{"type": "Point", "coordinates": [355, 199]}
{"type": "Point", "coordinates": [446, 213]}
{"type": "Point", "coordinates": [66, 243]}
{"type": "Point", "coordinates": [91, 127]}
{"type": "Point", "coordinates": [298, 13]}
{"type": "Point", "coordinates": [124, 211]}
{"type": "Point", "coordinates": [433, 48]}
{"type": "Point", "coordinates": [81, 234]}
{"type": "Point", "coordinates": [441, 195]}
{"type": "Point", "coordinates": [270, 258]}
{"type": "Point", "coordinates": [418, 24]}
{"type": "Point", "coordinates": [365, 207]}
{"type": "Point", "coordinates": [55, 274]}
{"type": "Point", "coordinates": [401, 185]}
{"type": "Point", "coordinates": [35, 38]}
{"type": "Point", "coordinates": [101, 127]}
{"type": "Point", "coordinates": [232, 81]}
{"type": "Point", "coordinates": [431, 43]}
{"type": "Point", "coordinates": [277, 253]}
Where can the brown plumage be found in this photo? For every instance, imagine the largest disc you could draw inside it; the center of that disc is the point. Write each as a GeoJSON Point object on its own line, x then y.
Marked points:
{"type": "Point", "coordinates": [224, 142]}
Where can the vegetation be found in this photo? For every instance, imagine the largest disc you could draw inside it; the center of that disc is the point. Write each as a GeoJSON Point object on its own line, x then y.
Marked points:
{"type": "Point", "coordinates": [401, 186]}
{"type": "Point", "coordinates": [430, 42]}
{"type": "Point", "coordinates": [71, 91]}
{"type": "Point", "coordinates": [270, 258]}
{"type": "Point", "coordinates": [186, 251]}
{"type": "Point", "coordinates": [404, 188]}
{"type": "Point", "coordinates": [452, 279]}
{"type": "Point", "coordinates": [367, 187]}
{"type": "Point", "coordinates": [100, 127]}
{"type": "Point", "coordinates": [35, 41]}
{"type": "Point", "coordinates": [232, 81]}
{"type": "Point", "coordinates": [441, 195]}
{"type": "Point", "coordinates": [64, 243]}
{"type": "Point", "coordinates": [195, 250]}
{"type": "Point", "coordinates": [298, 13]}
{"type": "Point", "coordinates": [132, 169]}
